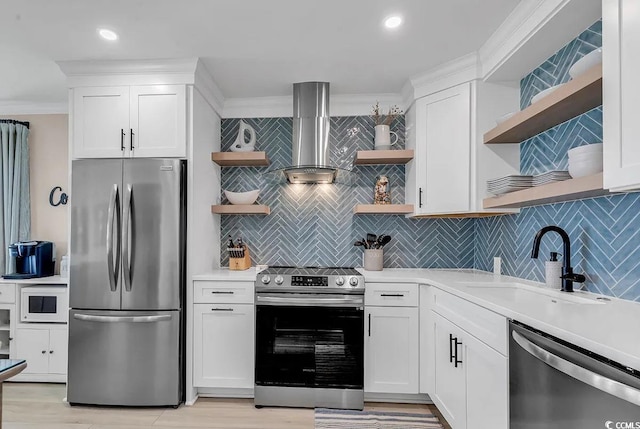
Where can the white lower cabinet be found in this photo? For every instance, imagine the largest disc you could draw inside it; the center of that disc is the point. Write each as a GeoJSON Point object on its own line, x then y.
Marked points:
{"type": "Point", "coordinates": [45, 350]}
{"type": "Point", "coordinates": [391, 350]}
{"type": "Point", "coordinates": [449, 392]}
{"type": "Point", "coordinates": [471, 378]}
{"type": "Point", "coordinates": [224, 345]}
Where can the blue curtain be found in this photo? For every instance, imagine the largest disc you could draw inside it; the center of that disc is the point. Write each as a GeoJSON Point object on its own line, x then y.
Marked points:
{"type": "Point", "coordinates": [15, 213]}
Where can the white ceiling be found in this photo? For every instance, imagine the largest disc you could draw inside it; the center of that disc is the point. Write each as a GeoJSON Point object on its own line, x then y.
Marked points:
{"type": "Point", "coordinates": [253, 48]}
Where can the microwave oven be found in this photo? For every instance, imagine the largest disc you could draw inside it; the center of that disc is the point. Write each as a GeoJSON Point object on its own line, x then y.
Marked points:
{"type": "Point", "coordinates": [44, 304]}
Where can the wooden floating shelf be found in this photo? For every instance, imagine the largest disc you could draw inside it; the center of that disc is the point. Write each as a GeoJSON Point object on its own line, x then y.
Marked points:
{"type": "Point", "coordinates": [572, 99]}
{"type": "Point", "coordinates": [567, 190]}
{"type": "Point", "coordinates": [240, 159]}
{"type": "Point", "coordinates": [240, 209]}
{"type": "Point", "coordinates": [398, 209]}
{"type": "Point", "coordinates": [380, 157]}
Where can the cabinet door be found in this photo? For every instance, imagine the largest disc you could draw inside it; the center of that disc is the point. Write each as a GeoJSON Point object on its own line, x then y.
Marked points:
{"type": "Point", "coordinates": [7, 331]}
{"type": "Point", "coordinates": [450, 384]}
{"type": "Point", "coordinates": [158, 121]}
{"type": "Point", "coordinates": [391, 350]}
{"type": "Point", "coordinates": [223, 345]}
{"type": "Point", "coordinates": [486, 371]}
{"type": "Point", "coordinates": [621, 90]}
{"type": "Point", "coordinates": [58, 349]}
{"type": "Point", "coordinates": [443, 143]}
{"type": "Point", "coordinates": [33, 346]}
{"type": "Point", "coordinates": [100, 118]}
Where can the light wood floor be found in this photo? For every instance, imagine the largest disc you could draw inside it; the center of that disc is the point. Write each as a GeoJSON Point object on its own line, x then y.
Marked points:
{"type": "Point", "coordinates": [31, 406]}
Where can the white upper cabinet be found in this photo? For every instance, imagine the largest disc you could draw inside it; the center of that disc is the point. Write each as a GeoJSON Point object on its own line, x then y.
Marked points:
{"type": "Point", "coordinates": [100, 122]}
{"type": "Point", "coordinates": [158, 121]}
{"type": "Point", "coordinates": [129, 121]}
{"type": "Point", "coordinates": [451, 165]}
{"type": "Point", "coordinates": [621, 67]}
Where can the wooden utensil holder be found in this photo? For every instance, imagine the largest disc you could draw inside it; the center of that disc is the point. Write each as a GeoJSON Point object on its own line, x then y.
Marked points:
{"type": "Point", "coordinates": [239, 263]}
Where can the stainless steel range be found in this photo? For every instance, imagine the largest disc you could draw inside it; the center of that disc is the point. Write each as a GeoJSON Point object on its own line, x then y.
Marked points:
{"type": "Point", "coordinates": [310, 337]}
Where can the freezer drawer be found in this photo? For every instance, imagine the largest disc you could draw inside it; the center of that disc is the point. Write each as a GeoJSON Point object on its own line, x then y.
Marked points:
{"type": "Point", "coordinates": [127, 358]}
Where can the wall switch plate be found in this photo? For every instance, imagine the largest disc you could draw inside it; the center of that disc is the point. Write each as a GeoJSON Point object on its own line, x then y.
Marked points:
{"type": "Point", "coordinates": [497, 265]}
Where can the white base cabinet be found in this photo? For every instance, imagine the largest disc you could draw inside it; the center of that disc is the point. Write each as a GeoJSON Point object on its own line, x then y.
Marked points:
{"type": "Point", "coordinates": [224, 336]}
{"type": "Point", "coordinates": [391, 353]}
{"type": "Point", "coordinates": [224, 345]}
{"type": "Point", "coordinates": [45, 349]}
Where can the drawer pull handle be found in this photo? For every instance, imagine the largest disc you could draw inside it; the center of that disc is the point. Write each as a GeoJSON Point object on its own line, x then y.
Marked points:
{"type": "Point", "coordinates": [229, 292]}
{"type": "Point", "coordinates": [222, 309]}
{"type": "Point", "coordinates": [450, 348]}
{"type": "Point", "coordinates": [455, 356]}
{"type": "Point", "coordinates": [397, 295]}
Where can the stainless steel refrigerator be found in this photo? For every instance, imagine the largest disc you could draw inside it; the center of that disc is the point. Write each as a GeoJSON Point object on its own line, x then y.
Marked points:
{"type": "Point", "coordinates": [127, 282]}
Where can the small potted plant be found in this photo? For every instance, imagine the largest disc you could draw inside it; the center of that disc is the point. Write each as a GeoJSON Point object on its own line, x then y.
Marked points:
{"type": "Point", "coordinates": [382, 131]}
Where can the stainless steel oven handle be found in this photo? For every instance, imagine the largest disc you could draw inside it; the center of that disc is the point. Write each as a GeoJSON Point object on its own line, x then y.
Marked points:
{"type": "Point", "coordinates": [600, 382]}
{"type": "Point", "coordinates": [120, 319]}
{"type": "Point", "coordinates": [299, 301]}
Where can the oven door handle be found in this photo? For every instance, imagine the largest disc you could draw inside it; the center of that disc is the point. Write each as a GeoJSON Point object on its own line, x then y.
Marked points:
{"type": "Point", "coordinates": [300, 301]}
{"type": "Point", "coordinates": [600, 382]}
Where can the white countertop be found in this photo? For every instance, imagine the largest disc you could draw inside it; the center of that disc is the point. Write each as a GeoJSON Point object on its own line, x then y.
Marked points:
{"type": "Point", "coordinates": [609, 329]}
{"type": "Point", "coordinates": [51, 280]}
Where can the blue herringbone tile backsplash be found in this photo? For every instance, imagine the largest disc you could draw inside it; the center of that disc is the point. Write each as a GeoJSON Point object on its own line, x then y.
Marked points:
{"type": "Point", "coordinates": [604, 233]}
{"type": "Point", "coordinates": [314, 224]}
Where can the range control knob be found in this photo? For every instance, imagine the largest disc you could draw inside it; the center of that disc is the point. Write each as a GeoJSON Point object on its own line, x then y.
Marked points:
{"type": "Point", "coordinates": [265, 279]}
{"type": "Point", "coordinates": [353, 281]}
{"type": "Point", "coordinates": [340, 281]}
{"type": "Point", "coordinates": [279, 279]}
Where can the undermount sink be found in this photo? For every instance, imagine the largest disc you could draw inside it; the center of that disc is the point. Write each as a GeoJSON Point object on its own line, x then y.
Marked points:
{"type": "Point", "coordinates": [522, 292]}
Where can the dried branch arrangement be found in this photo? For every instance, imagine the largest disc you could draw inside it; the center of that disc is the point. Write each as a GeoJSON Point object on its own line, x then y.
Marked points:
{"type": "Point", "coordinates": [379, 119]}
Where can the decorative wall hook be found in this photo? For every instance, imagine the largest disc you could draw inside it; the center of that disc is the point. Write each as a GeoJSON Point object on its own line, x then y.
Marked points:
{"type": "Point", "coordinates": [64, 198]}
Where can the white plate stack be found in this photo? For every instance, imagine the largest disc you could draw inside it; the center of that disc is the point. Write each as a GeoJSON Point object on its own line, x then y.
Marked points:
{"type": "Point", "coordinates": [550, 177]}
{"type": "Point", "coordinates": [511, 183]}
{"type": "Point", "coordinates": [585, 160]}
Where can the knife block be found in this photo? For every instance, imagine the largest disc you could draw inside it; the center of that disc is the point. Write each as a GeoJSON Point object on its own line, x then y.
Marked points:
{"type": "Point", "coordinates": [242, 262]}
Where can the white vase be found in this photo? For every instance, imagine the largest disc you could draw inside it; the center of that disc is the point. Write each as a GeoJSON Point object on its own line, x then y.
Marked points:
{"type": "Point", "coordinates": [241, 144]}
{"type": "Point", "coordinates": [383, 137]}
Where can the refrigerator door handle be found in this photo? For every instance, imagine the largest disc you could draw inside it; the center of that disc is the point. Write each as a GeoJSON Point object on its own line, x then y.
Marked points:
{"type": "Point", "coordinates": [122, 319]}
{"type": "Point", "coordinates": [114, 211]}
{"type": "Point", "coordinates": [126, 263]}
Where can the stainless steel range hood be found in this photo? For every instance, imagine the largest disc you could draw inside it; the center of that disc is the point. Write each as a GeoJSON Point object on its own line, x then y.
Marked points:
{"type": "Point", "coordinates": [310, 163]}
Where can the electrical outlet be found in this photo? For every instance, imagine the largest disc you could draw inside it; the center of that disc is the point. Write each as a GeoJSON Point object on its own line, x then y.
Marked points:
{"type": "Point", "coordinates": [497, 265]}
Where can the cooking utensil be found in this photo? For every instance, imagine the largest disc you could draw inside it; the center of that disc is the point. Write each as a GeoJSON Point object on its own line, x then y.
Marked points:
{"type": "Point", "coordinates": [364, 243]}
{"type": "Point", "coordinates": [371, 239]}
{"type": "Point", "coordinates": [359, 243]}
{"type": "Point", "coordinates": [383, 240]}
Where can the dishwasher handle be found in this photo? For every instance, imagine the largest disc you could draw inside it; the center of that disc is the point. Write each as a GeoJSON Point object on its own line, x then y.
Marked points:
{"type": "Point", "coordinates": [598, 381]}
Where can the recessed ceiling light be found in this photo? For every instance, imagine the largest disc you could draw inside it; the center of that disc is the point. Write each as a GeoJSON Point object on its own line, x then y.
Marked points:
{"type": "Point", "coordinates": [107, 34]}
{"type": "Point", "coordinates": [393, 21]}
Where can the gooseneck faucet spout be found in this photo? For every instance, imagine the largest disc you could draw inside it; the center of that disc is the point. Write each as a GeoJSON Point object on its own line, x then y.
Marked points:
{"type": "Point", "coordinates": [568, 276]}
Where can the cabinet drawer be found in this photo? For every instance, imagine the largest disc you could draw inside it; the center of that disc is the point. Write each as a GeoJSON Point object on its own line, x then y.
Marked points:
{"type": "Point", "coordinates": [391, 294]}
{"type": "Point", "coordinates": [485, 325]}
{"type": "Point", "coordinates": [223, 292]}
{"type": "Point", "coordinates": [7, 293]}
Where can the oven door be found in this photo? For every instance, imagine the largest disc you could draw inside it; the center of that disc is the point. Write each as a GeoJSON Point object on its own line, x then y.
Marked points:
{"type": "Point", "coordinates": [310, 341]}
{"type": "Point", "coordinates": [44, 304]}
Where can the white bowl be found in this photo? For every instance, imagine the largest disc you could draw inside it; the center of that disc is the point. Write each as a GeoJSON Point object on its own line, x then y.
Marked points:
{"type": "Point", "coordinates": [585, 63]}
{"type": "Point", "coordinates": [539, 96]}
{"type": "Point", "coordinates": [586, 157]}
{"type": "Point", "coordinates": [583, 150]}
{"type": "Point", "coordinates": [504, 117]}
{"type": "Point", "coordinates": [584, 168]}
{"type": "Point", "coordinates": [242, 197]}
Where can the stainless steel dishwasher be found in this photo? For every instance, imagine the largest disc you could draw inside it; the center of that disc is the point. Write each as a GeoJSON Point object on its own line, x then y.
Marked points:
{"type": "Point", "coordinates": [556, 385]}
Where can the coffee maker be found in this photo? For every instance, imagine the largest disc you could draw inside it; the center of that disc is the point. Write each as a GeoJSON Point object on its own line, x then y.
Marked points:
{"type": "Point", "coordinates": [32, 259]}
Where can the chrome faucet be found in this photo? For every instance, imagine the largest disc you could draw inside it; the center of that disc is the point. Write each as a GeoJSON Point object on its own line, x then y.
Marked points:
{"type": "Point", "coordinates": [568, 276]}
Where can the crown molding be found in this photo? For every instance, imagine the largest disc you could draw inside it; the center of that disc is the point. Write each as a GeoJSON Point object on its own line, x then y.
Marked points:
{"type": "Point", "coordinates": [33, 108]}
{"type": "Point", "coordinates": [282, 106]}
{"type": "Point", "coordinates": [457, 71]}
{"type": "Point", "coordinates": [129, 72]}
{"type": "Point", "coordinates": [207, 86]}
{"type": "Point", "coordinates": [533, 32]}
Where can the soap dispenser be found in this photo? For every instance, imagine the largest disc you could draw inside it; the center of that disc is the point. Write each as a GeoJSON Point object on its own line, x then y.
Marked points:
{"type": "Point", "coordinates": [553, 272]}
